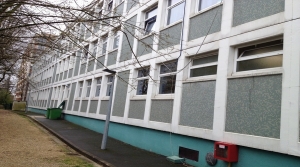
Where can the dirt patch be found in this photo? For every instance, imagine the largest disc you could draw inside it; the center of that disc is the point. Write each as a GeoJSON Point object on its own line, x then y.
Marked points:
{"type": "Point", "coordinates": [24, 143]}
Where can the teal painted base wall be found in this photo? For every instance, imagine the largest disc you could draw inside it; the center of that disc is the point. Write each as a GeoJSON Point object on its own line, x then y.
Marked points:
{"type": "Point", "coordinates": [168, 144]}
{"type": "Point", "coordinates": [36, 110]}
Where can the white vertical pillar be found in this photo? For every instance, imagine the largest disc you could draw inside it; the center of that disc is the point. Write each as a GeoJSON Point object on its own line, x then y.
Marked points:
{"type": "Point", "coordinates": [182, 75]}
{"type": "Point", "coordinates": [289, 130]}
{"type": "Point", "coordinates": [225, 64]}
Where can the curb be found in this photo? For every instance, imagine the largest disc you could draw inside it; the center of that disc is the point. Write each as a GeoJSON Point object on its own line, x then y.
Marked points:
{"type": "Point", "coordinates": [72, 145]}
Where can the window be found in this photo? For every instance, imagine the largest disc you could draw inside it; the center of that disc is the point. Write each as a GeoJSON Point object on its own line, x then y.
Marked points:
{"type": "Point", "coordinates": [142, 81]}
{"type": "Point", "coordinates": [204, 65]}
{"type": "Point", "coordinates": [260, 56]}
{"type": "Point", "coordinates": [167, 77]}
{"type": "Point", "coordinates": [80, 88]}
{"type": "Point", "coordinates": [94, 52]}
{"type": "Point", "coordinates": [67, 90]}
{"type": "Point", "coordinates": [203, 4]}
{"type": "Point", "coordinates": [104, 45]}
{"type": "Point", "coordinates": [98, 87]}
{"type": "Point", "coordinates": [175, 10]}
{"type": "Point", "coordinates": [109, 5]}
{"type": "Point", "coordinates": [109, 85]}
{"type": "Point", "coordinates": [116, 38]}
{"type": "Point", "coordinates": [88, 88]}
{"type": "Point", "coordinates": [150, 20]}
{"type": "Point", "coordinates": [85, 53]}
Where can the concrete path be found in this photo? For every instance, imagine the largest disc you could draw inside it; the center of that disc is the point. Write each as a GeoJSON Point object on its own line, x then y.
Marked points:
{"type": "Point", "coordinates": [87, 142]}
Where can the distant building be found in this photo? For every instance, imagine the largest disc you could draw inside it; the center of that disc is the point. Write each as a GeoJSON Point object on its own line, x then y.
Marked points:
{"type": "Point", "coordinates": [236, 79]}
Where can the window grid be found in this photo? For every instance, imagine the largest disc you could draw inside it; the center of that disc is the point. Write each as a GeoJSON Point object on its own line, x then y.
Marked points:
{"type": "Point", "coordinates": [175, 11]}
{"type": "Point", "coordinates": [98, 87]}
{"type": "Point", "coordinates": [109, 85]}
{"type": "Point", "coordinates": [88, 88]}
{"type": "Point", "coordinates": [142, 81]}
{"type": "Point", "coordinates": [167, 78]}
{"type": "Point", "coordinates": [150, 20]}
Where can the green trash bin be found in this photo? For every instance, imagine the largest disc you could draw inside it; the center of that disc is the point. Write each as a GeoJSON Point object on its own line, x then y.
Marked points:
{"type": "Point", "coordinates": [55, 113]}
{"type": "Point", "coordinates": [47, 113]}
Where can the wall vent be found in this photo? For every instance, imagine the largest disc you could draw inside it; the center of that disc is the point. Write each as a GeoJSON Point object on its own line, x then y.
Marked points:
{"type": "Point", "coordinates": [188, 153]}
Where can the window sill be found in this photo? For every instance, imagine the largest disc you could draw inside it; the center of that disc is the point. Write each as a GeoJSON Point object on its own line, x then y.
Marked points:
{"type": "Point", "coordinates": [171, 25]}
{"type": "Point", "coordinates": [163, 96]}
{"type": "Point", "coordinates": [139, 97]}
{"type": "Point", "coordinates": [94, 98]}
{"type": "Point", "coordinates": [112, 50]}
{"type": "Point", "coordinates": [202, 78]}
{"type": "Point", "coordinates": [261, 72]}
{"type": "Point", "coordinates": [105, 98]}
{"type": "Point", "coordinates": [205, 10]}
{"type": "Point", "coordinates": [77, 98]}
{"type": "Point", "coordinates": [85, 98]}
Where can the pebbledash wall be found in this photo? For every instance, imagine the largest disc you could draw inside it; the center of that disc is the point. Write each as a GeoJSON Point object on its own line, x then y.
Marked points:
{"type": "Point", "coordinates": [250, 97]}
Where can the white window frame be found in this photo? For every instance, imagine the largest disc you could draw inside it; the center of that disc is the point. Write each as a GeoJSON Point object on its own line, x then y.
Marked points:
{"type": "Point", "coordinates": [80, 89]}
{"type": "Point", "coordinates": [238, 58]}
{"type": "Point", "coordinates": [108, 84]}
{"type": "Point", "coordinates": [170, 8]}
{"type": "Point", "coordinates": [174, 73]}
{"type": "Point", "coordinates": [88, 89]}
{"type": "Point", "coordinates": [97, 84]}
{"type": "Point", "coordinates": [202, 65]}
{"type": "Point", "coordinates": [94, 48]}
{"type": "Point", "coordinates": [207, 8]}
{"type": "Point", "coordinates": [104, 41]}
{"type": "Point", "coordinates": [150, 20]}
{"type": "Point", "coordinates": [116, 35]}
{"type": "Point", "coordinates": [141, 78]}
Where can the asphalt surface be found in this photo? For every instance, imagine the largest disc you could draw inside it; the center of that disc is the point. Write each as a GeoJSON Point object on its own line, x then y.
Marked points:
{"type": "Point", "coordinates": [88, 143]}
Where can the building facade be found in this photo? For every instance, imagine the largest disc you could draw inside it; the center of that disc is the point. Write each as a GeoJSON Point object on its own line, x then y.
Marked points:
{"type": "Point", "coordinates": [189, 73]}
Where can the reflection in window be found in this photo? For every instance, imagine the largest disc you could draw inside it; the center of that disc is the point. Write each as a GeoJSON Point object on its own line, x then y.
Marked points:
{"type": "Point", "coordinates": [150, 20]}
{"type": "Point", "coordinates": [88, 88]}
{"type": "Point", "coordinates": [260, 56]}
{"type": "Point", "coordinates": [98, 87]}
{"type": "Point", "coordinates": [175, 11]}
{"type": "Point", "coordinates": [203, 4]}
{"type": "Point", "coordinates": [109, 85]}
{"type": "Point", "coordinates": [203, 66]}
{"type": "Point", "coordinates": [142, 79]}
{"type": "Point", "coordinates": [167, 78]}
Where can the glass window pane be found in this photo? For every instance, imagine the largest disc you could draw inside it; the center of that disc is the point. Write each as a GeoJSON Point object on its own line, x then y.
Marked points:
{"type": "Point", "coordinates": [207, 3]}
{"type": "Point", "coordinates": [98, 90]}
{"type": "Point", "coordinates": [88, 91]}
{"type": "Point", "coordinates": [99, 80]}
{"type": "Point", "coordinates": [168, 67]}
{"type": "Point", "coordinates": [143, 72]}
{"type": "Point", "coordinates": [151, 13]}
{"type": "Point", "coordinates": [142, 87]}
{"type": "Point", "coordinates": [211, 70]}
{"type": "Point", "coordinates": [149, 25]}
{"type": "Point", "coordinates": [108, 91]}
{"type": "Point", "coordinates": [116, 42]}
{"type": "Point", "coordinates": [260, 63]}
{"type": "Point", "coordinates": [262, 50]}
{"type": "Point", "coordinates": [104, 48]}
{"type": "Point", "coordinates": [205, 60]}
{"type": "Point", "coordinates": [110, 78]}
{"type": "Point", "coordinates": [167, 84]}
{"type": "Point", "coordinates": [175, 14]}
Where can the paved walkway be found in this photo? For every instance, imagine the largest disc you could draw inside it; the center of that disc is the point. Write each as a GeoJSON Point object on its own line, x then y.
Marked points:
{"type": "Point", "coordinates": [88, 143]}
